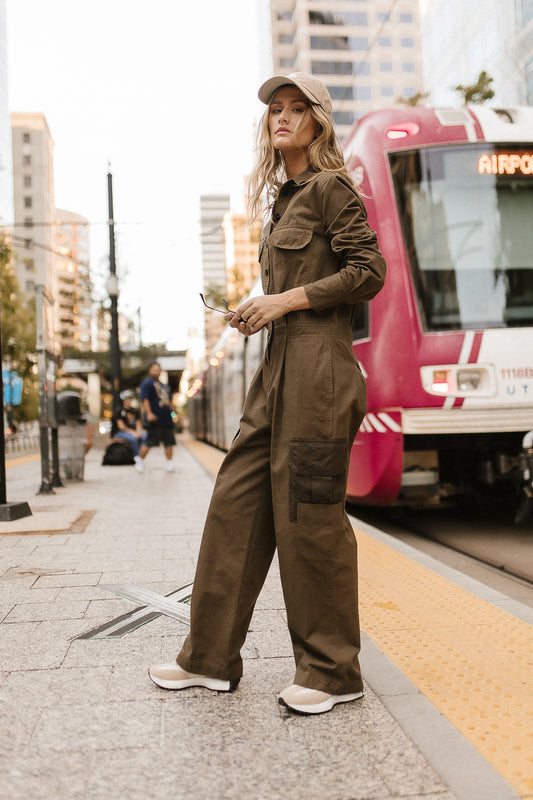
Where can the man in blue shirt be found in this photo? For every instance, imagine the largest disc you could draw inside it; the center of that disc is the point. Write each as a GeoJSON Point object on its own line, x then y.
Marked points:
{"type": "Point", "coordinates": [157, 408]}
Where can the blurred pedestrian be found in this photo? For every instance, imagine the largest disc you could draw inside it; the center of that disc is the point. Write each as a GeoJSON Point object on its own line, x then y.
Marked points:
{"type": "Point", "coordinates": [283, 481]}
{"type": "Point", "coordinates": [126, 423]}
{"type": "Point", "coordinates": [157, 408]}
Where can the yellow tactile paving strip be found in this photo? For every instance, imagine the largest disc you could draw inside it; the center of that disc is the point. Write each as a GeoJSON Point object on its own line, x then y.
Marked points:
{"type": "Point", "coordinates": [472, 660]}
{"type": "Point", "coordinates": [17, 460]}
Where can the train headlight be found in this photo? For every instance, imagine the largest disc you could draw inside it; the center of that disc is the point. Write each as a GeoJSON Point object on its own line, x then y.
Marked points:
{"type": "Point", "coordinates": [459, 380]}
{"type": "Point", "coordinates": [468, 380]}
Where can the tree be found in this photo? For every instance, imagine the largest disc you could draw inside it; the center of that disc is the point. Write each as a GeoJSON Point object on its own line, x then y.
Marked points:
{"type": "Point", "coordinates": [417, 99]}
{"type": "Point", "coordinates": [478, 92]}
{"type": "Point", "coordinates": [18, 334]}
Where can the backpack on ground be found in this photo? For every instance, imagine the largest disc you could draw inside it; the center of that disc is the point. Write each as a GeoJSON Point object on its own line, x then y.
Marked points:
{"type": "Point", "coordinates": [118, 453]}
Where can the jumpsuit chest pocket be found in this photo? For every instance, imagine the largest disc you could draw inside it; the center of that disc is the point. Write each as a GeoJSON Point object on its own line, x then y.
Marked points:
{"type": "Point", "coordinates": [317, 473]}
{"type": "Point", "coordinates": [289, 238]}
{"type": "Point", "coordinates": [290, 254]}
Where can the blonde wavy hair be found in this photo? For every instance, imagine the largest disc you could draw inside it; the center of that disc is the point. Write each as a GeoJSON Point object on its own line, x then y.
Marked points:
{"type": "Point", "coordinates": [268, 175]}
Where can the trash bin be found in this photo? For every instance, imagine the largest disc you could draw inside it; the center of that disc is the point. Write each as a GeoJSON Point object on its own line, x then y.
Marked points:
{"type": "Point", "coordinates": [71, 436]}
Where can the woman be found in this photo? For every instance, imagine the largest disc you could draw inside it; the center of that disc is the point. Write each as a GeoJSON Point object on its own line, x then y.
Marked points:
{"type": "Point", "coordinates": [283, 482]}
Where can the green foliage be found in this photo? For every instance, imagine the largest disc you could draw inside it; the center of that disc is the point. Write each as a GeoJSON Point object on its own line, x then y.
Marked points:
{"type": "Point", "coordinates": [417, 99]}
{"type": "Point", "coordinates": [478, 92]}
{"type": "Point", "coordinates": [18, 334]}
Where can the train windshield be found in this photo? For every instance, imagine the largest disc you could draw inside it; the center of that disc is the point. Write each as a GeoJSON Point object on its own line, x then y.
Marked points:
{"type": "Point", "coordinates": [467, 218]}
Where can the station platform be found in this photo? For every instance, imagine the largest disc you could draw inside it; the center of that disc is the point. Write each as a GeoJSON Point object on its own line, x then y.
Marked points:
{"type": "Point", "coordinates": [447, 662]}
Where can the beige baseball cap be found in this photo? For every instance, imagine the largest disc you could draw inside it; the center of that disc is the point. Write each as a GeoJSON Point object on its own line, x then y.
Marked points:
{"type": "Point", "coordinates": [312, 87]}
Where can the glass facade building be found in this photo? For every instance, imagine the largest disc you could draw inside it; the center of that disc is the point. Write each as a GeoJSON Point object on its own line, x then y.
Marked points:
{"type": "Point", "coordinates": [367, 57]}
{"type": "Point", "coordinates": [462, 39]}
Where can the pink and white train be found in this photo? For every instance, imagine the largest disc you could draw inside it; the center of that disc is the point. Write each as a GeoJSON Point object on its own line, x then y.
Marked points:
{"type": "Point", "coordinates": [447, 345]}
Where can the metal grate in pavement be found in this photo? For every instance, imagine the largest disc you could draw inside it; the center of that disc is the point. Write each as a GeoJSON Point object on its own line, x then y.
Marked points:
{"type": "Point", "coordinates": [152, 606]}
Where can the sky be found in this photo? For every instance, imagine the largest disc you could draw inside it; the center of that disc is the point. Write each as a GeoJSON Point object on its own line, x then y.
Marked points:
{"type": "Point", "coordinates": [165, 93]}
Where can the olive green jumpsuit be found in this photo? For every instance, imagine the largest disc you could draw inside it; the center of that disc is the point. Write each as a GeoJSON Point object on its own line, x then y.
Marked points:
{"type": "Point", "coordinates": [283, 482]}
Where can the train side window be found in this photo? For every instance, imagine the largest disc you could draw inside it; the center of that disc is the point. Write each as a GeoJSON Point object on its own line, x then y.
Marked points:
{"type": "Point", "coordinates": [360, 322]}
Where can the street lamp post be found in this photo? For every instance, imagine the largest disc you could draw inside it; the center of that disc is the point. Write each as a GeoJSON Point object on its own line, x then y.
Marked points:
{"type": "Point", "coordinates": [112, 290]}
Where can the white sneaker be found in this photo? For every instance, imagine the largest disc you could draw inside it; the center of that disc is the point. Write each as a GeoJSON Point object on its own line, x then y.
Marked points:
{"type": "Point", "coordinates": [172, 676]}
{"type": "Point", "coordinates": [169, 465]}
{"type": "Point", "coordinates": [139, 463]}
{"type": "Point", "coordinates": [312, 701]}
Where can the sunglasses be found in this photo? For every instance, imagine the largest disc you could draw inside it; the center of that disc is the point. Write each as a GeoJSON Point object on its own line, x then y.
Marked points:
{"type": "Point", "coordinates": [225, 310]}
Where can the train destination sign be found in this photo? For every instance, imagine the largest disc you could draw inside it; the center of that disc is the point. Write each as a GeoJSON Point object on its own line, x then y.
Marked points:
{"type": "Point", "coordinates": [506, 163]}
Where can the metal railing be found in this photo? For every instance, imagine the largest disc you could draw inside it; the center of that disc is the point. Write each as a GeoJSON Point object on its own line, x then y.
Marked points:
{"type": "Point", "coordinates": [25, 440]}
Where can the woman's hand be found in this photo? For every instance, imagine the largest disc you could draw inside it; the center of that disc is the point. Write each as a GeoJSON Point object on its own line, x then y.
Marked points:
{"type": "Point", "coordinates": [256, 312]}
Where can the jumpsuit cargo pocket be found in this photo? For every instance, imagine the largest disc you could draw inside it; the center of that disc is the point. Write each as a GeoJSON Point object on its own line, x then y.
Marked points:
{"type": "Point", "coordinates": [317, 473]}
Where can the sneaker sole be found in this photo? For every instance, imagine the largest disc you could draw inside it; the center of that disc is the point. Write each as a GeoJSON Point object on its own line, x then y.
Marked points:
{"type": "Point", "coordinates": [214, 684]}
{"type": "Point", "coordinates": [320, 708]}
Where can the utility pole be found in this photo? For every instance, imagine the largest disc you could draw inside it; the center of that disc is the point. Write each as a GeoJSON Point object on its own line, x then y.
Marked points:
{"type": "Point", "coordinates": [112, 289]}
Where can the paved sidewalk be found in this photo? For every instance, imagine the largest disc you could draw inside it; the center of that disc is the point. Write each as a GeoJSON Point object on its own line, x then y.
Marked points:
{"type": "Point", "coordinates": [79, 718]}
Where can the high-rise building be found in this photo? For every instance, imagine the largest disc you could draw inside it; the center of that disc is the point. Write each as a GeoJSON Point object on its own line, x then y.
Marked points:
{"type": "Point", "coordinates": [6, 172]}
{"type": "Point", "coordinates": [72, 289]}
{"type": "Point", "coordinates": [50, 246]}
{"type": "Point", "coordinates": [213, 208]}
{"type": "Point", "coordinates": [242, 266]}
{"type": "Point", "coordinates": [367, 52]}
{"type": "Point", "coordinates": [127, 332]}
{"type": "Point", "coordinates": [33, 190]}
{"type": "Point", "coordinates": [460, 40]}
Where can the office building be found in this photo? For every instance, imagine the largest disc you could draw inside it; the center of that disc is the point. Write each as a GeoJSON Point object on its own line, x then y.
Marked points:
{"type": "Point", "coordinates": [368, 55]}
{"type": "Point", "coordinates": [33, 193]}
{"type": "Point", "coordinates": [242, 267]}
{"type": "Point", "coordinates": [6, 172]}
{"type": "Point", "coordinates": [460, 40]}
{"type": "Point", "coordinates": [213, 208]}
{"type": "Point", "coordinates": [72, 282]}
{"type": "Point", "coordinates": [127, 332]}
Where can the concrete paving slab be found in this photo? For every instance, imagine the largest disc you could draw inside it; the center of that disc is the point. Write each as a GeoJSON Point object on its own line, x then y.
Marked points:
{"type": "Point", "coordinates": [45, 521]}
{"type": "Point", "coordinates": [108, 726]}
{"type": "Point", "coordinates": [16, 728]}
{"type": "Point", "coordinates": [70, 578]}
{"type": "Point", "coordinates": [41, 611]}
{"type": "Point", "coordinates": [145, 772]}
{"type": "Point", "coordinates": [45, 776]}
{"type": "Point", "coordinates": [48, 688]}
{"type": "Point", "coordinates": [20, 648]}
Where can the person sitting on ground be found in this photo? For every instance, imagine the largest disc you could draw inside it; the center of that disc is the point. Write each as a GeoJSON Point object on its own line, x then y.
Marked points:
{"type": "Point", "coordinates": [126, 424]}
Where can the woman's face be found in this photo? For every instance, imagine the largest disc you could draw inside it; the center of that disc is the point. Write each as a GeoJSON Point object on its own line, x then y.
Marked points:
{"type": "Point", "coordinates": [287, 109]}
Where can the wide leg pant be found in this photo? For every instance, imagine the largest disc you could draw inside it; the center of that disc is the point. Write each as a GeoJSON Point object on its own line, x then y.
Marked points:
{"type": "Point", "coordinates": [283, 484]}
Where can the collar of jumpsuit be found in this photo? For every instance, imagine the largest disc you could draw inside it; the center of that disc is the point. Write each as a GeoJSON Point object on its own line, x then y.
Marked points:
{"type": "Point", "coordinates": [285, 191]}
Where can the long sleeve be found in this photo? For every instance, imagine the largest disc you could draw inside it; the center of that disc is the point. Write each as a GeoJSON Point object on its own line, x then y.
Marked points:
{"type": "Point", "coordinates": [362, 267]}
